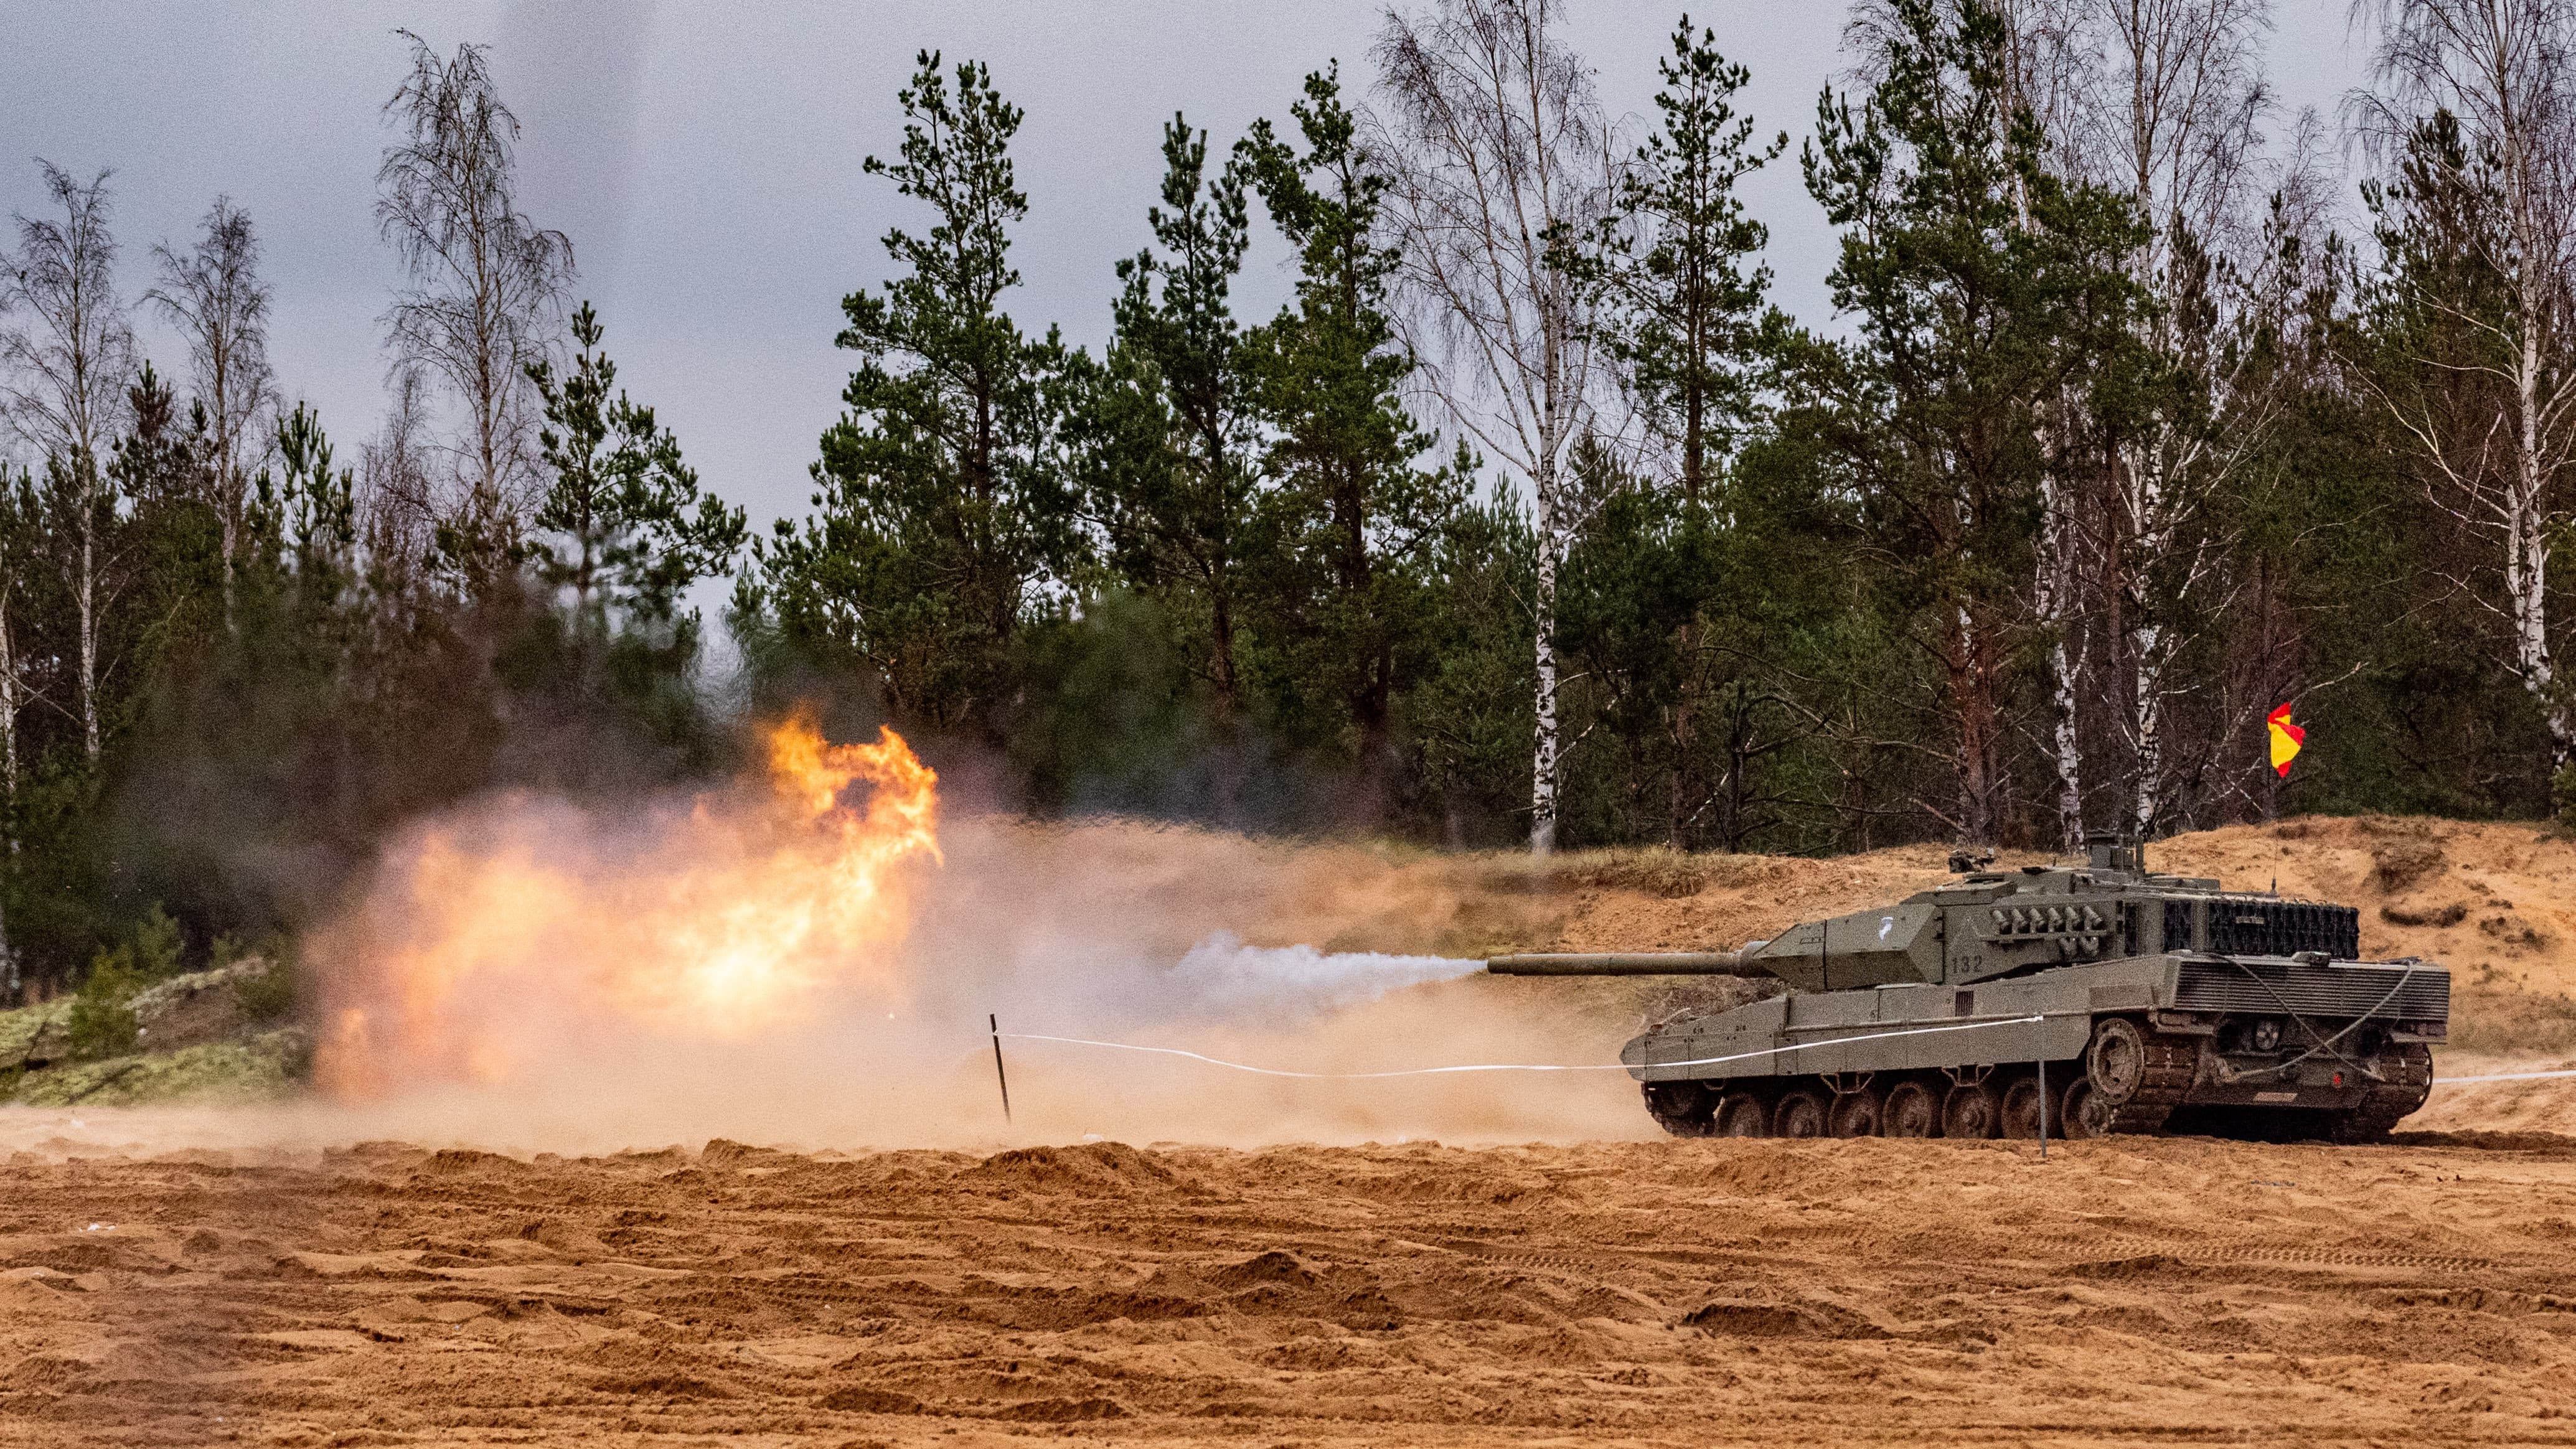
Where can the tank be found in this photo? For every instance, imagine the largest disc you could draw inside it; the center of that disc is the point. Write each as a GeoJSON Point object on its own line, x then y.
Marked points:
{"type": "Point", "coordinates": [2075, 999]}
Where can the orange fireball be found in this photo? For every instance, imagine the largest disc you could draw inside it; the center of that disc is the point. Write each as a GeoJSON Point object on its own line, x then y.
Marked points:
{"type": "Point", "coordinates": [524, 928]}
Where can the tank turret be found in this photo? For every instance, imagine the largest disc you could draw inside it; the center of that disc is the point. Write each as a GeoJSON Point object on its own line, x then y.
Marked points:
{"type": "Point", "coordinates": [2158, 1001]}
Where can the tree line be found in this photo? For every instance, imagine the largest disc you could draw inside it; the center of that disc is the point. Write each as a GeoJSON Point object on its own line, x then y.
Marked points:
{"type": "Point", "coordinates": [1528, 516]}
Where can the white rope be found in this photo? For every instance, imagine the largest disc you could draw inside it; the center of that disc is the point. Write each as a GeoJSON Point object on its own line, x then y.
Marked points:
{"type": "Point", "coordinates": [1514, 1067]}
{"type": "Point", "coordinates": [2502, 1077]}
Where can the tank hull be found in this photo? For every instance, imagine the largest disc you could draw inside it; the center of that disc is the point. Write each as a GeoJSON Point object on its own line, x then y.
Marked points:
{"type": "Point", "coordinates": [2269, 1045]}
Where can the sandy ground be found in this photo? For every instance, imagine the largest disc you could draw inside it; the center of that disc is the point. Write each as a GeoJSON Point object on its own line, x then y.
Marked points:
{"type": "Point", "coordinates": [272, 1276]}
{"type": "Point", "coordinates": [1674, 1292]}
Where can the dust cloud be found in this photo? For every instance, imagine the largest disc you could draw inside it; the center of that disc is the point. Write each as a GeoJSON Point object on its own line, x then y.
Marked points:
{"type": "Point", "coordinates": [815, 966]}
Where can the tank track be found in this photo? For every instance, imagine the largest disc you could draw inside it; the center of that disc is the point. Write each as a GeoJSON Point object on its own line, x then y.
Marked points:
{"type": "Point", "coordinates": [2390, 1101]}
{"type": "Point", "coordinates": [2172, 1063]}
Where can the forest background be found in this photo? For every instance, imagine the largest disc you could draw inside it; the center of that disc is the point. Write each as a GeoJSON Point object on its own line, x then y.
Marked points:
{"type": "Point", "coordinates": [1529, 517]}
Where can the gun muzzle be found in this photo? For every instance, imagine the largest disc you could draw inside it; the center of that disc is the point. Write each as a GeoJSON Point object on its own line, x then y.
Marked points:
{"type": "Point", "coordinates": [1626, 963]}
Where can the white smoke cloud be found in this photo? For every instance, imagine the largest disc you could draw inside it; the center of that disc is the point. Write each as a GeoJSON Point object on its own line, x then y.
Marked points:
{"type": "Point", "coordinates": [1222, 977]}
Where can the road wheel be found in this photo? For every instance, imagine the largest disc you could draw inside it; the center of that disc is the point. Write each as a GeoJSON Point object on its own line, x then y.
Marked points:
{"type": "Point", "coordinates": [2116, 1062]}
{"type": "Point", "coordinates": [2021, 1109]}
{"type": "Point", "coordinates": [1741, 1114]}
{"type": "Point", "coordinates": [2084, 1111]}
{"type": "Point", "coordinates": [1911, 1111]}
{"type": "Point", "coordinates": [1801, 1113]}
{"type": "Point", "coordinates": [1972, 1111]}
{"type": "Point", "coordinates": [1681, 1108]}
{"type": "Point", "coordinates": [1857, 1114]}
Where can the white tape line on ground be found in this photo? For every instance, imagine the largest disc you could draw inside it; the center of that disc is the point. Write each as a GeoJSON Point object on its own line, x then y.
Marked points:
{"type": "Point", "coordinates": [1514, 1067]}
{"type": "Point", "coordinates": [2502, 1077]}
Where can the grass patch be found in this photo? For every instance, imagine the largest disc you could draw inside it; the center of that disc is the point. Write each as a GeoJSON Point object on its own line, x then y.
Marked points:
{"type": "Point", "coordinates": [20, 1028]}
{"type": "Point", "coordinates": [269, 1066]}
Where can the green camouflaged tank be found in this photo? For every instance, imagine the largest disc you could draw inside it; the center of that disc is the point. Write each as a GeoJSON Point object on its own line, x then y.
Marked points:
{"type": "Point", "coordinates": [2142, 1002]}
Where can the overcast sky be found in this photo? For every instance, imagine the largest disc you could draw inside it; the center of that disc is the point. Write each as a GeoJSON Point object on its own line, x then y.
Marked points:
{"type": "Point", "coordinates": [705, 159]}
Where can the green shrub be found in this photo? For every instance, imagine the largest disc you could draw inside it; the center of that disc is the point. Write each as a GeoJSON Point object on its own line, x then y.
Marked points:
{"type": "Point", "coordinates": [101, 1022]}
{"type": "Point", "coordinates": [153, 946]}
{"type": "Point", "coordinates": [268, 994]}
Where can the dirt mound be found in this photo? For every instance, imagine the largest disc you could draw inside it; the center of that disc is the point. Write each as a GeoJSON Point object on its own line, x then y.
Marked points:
{"type": "Point", "coordinates": [1273, 1267]}
{"type": "Point", "coordinates": [722, 1152]}
{"type": "Point", "coordinates": [1092, 1169]}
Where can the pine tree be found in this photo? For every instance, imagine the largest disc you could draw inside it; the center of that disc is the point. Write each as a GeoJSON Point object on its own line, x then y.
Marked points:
{"type": "Point", "coordinates": [1677, 261]}
{"type": "Point", "coordinates": [1354, 516]}
{"type": "Point", "coordinates": [625, 541]}
{"type": "Point", "coordinates": [1682, 304]}
{"type": "Point", "coordinates": [943, 520]}
{"type": "Point", "coordinates": [1165, 435]}
{"type": "Point", "coordinates": [317, 508]}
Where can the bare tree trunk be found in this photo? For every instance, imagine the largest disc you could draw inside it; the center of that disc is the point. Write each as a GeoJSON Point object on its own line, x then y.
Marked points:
{"type": "Point", "coordinates": [2527, 565]}
{"type": "Point", "coordinates": [88, 592]}
{"type": "Point", "coordinates": [63, 375]}
{"type": "Point", "coordinates": [2056, 587]}
{"type": "Point", "coordinates": [2148, 798]}
{"type": "Point", "coordinates": [1497, 145]}
{"type": "Point", "coordinates": [1970, 666]}
{"type": "Point", "coordinates": [2502, 69]}
{"type": "Point", "coordinates": [1544, 754]}
{"type": "Point", "coordinates": [10, 699]}
{"type": "Point", "coordinates": [1683, 779]}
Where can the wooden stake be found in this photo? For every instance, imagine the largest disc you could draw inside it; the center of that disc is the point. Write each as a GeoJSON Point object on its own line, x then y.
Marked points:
{"type": "Point", "coordinates": [995, 1022]}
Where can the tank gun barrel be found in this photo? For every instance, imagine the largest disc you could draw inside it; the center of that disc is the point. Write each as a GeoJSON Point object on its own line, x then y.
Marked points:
{"type": "Point", "coordinates": [1626, 963]}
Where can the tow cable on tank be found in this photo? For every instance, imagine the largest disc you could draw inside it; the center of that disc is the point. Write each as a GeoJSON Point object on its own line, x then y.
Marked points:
{"type": "Point", "coordinates": [2227, 1073]}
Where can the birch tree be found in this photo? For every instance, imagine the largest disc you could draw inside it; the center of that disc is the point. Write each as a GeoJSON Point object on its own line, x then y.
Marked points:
{"type": "Point", "coordinates": [485, 293]}
{"type": "Point", "coordinates": [1498, 148]}
{"type": "Point", "coordinates": [2493, 78]}
{"type": "Point", "coordinates": [213, 293]}
{"type": "Point", "coordinates": [66, 355]}
{"type": "Point", "coordinates": [2177, 129]}
{"type": "Point", "coordinates": [21, 526]}
{"type": "Point", "coordinates": [21, 529]}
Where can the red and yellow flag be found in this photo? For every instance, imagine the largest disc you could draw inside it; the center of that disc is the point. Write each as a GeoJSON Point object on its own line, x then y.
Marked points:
{"type": "Point", "coordinates": [2286, 739]}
